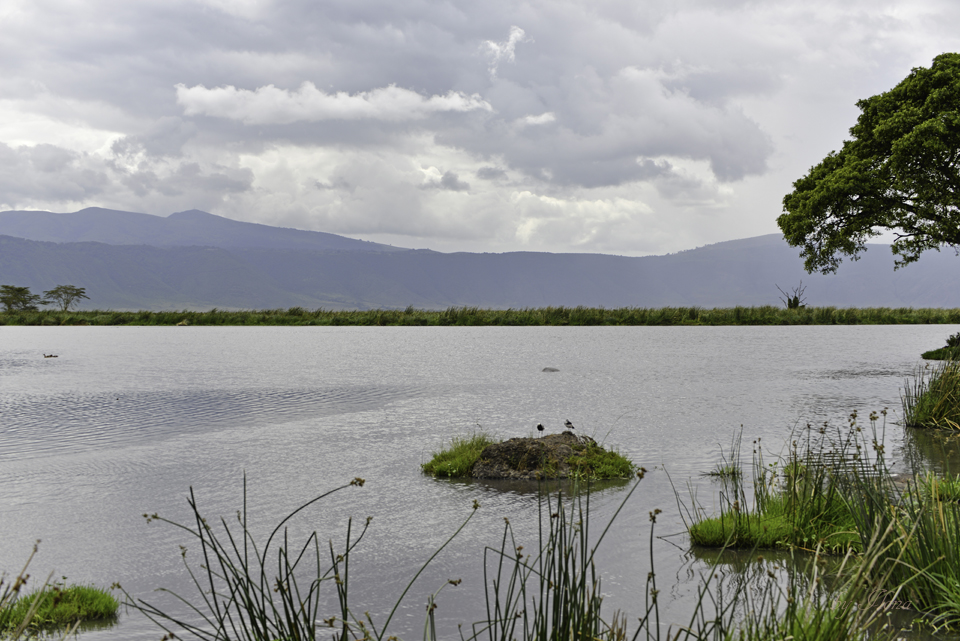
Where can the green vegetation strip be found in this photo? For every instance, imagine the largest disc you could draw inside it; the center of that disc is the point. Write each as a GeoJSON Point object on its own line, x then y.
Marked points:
{"type": "Point", "coordinates": [460, 316]}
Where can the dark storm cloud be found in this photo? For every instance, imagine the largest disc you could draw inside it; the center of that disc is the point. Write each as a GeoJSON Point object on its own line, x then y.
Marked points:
{"type": "Point", "coordinates": [491, 173]}
{"type": "Point", "coordinates": [449, 181]}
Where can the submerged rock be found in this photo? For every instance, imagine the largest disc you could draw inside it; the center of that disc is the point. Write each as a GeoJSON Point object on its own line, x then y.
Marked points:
{"type": "Point", "coordinates": [548, 457]}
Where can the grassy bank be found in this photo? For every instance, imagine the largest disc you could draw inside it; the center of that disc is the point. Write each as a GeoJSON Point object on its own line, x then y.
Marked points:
{"type": "Point", "coordinates": [460, 316]}
{"type": "Point", "coordinates": [951, 351]}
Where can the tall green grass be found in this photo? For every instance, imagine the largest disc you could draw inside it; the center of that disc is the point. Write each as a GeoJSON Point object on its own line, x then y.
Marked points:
{"type": "Point", "coordinates": [468, 316]}
{"type": "Point", "coordinates": [932, 397]}
{"type": "Point", "coordinates": [906, 538]}
{"type": "Point", "coordinates": [796, 502]}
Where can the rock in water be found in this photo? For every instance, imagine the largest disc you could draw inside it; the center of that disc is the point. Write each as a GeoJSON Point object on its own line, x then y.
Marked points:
{"type": "Point", "coordinates": [549, 369]}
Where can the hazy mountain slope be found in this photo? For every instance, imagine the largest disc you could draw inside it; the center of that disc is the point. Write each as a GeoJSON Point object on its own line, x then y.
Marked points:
{"type": "Point", "coordinates": [743, 272]}
{"type": "Point", "coordinates": [142, 277]}
{"type": "Point", "coordinates": [183, 228]}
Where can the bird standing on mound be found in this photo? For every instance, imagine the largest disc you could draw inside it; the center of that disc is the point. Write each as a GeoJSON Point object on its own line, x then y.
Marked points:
{"type": "Point", "coordinates": [567, 424]}
{"type": "Point", "coordinates": [540, 427]}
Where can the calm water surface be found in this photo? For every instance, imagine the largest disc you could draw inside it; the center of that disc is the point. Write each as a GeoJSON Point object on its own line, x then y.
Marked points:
{"type": "Point", "coordinates": [128, 418]}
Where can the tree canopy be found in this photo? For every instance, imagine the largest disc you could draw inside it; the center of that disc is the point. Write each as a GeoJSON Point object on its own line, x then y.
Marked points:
{"type": "Point", "coordinates": [19, 299]}
{"type": "Point", "coordinates": [900, 172]}
{"type": "Point", "coordinates": [65, 296]}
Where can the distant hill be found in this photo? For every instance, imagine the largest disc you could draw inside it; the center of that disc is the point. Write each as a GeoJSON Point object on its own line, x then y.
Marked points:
{"type": "Point", "coordinates": [182, 229]}
{"type": "Point", "coordinates": [742, 272]}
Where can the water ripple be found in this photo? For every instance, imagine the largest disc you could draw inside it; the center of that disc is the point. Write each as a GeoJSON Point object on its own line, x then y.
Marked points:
{"type": "Point", "coordinates": [38, 425]}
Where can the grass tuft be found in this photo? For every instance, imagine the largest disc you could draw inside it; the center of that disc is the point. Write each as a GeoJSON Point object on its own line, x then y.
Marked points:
{"type": "Point", "coordinates": [457, 460]}
{"type": "Point", "coordinates": [591, 461]}
{"type": "Point", "coordinates": [61, 606]}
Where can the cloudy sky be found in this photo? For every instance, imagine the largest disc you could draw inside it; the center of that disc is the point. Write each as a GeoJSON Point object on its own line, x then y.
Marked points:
{"type": "Point", "coordinates": [618, 126]}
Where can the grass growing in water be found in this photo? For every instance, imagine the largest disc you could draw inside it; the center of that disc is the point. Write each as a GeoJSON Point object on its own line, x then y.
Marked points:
{"type": "Point", "coordinates": [549, 594]}
{"type": "Point", "coordinates": [932, 398]}
{"type": "Point", "coordinates": [52, 607]}
{"type": "Point", "coordinates": [907, 538]}
{"type": "Point", "coordinates": [457, 460]}
{"type": "Point", "coordinates": [950, 352]}
{"type": "Point", "coordinates": [59, 606]}
{"type": "Point", "coordinates": [798, 502]}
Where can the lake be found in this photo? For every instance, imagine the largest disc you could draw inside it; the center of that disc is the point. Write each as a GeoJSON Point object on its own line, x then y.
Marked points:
{"type": "Point", "coordinates": [126, 419]}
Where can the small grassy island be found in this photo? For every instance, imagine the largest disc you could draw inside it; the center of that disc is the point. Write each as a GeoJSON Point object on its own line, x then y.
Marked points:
{"type": "Point", "coordinates": [950, 352]}
{"type": "Point", "coordinates": [554, 456]}
{"type": "Point", "coordinates": [56, 607]}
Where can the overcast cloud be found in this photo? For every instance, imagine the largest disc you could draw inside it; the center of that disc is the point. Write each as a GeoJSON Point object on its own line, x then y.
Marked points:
{"type": "Point", "coordinates": [610, 126]}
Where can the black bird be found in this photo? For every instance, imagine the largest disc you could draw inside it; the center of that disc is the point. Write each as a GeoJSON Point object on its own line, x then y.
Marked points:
{"type": "Point", "coordinates": [567, 424]}
{"type": "Point", "coordinates": [540, 427]}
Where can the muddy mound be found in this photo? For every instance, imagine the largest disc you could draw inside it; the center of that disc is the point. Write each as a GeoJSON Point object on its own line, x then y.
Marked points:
{"type": "Point", "coordinates": [550, 457]}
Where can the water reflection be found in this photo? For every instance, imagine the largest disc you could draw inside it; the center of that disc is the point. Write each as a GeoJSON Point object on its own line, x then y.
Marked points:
{"type": "Point", "coordinates": [532, 488]}
{"type": "Point", "coordinates": [931, 450]}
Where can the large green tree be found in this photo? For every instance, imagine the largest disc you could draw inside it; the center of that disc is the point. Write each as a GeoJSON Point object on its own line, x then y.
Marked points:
{"type": "Point", "coordinates": [900, 173]}
{"type": "Point", "coordinates": [19, 299]}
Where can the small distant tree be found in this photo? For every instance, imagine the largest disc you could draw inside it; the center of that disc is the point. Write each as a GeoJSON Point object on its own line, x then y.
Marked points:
{"type": "Point", "coordinates": [65, 296]}
{"type": "Point", "coordinates": [19, 299]}
{"type": "Point", "coordinates": [797, 300]}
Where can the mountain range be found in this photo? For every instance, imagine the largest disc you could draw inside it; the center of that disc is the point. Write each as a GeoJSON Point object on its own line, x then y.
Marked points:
{"type": "Point", "coordinates": [196, 260]}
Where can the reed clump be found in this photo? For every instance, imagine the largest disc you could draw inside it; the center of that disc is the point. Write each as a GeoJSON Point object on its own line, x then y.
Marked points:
{"type": "Point", "coordinates": [905, 538]}
{"type": "Point", "coordinates": [932, 398]}
{"type": "Point", "coordinates": [797, 502]}
{"type": "Point", "coordinates": [475, 316]}
{"type": "Point", "coordinates": [917, 554]}
{"type": "Point", "coordinates": [546, 590]}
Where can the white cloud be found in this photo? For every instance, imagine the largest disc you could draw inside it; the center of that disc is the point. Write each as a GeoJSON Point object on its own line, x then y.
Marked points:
{"type": "Point", "coordinates": [504, 51]}
{"type": "Point", "coordinates": [542, 119]}
{"type": "Point", "coordinates": [270, 105]}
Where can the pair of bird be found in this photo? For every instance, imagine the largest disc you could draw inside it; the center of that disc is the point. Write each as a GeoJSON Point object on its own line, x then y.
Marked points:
{"type": "Point", "coordinates": [567, 424]}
